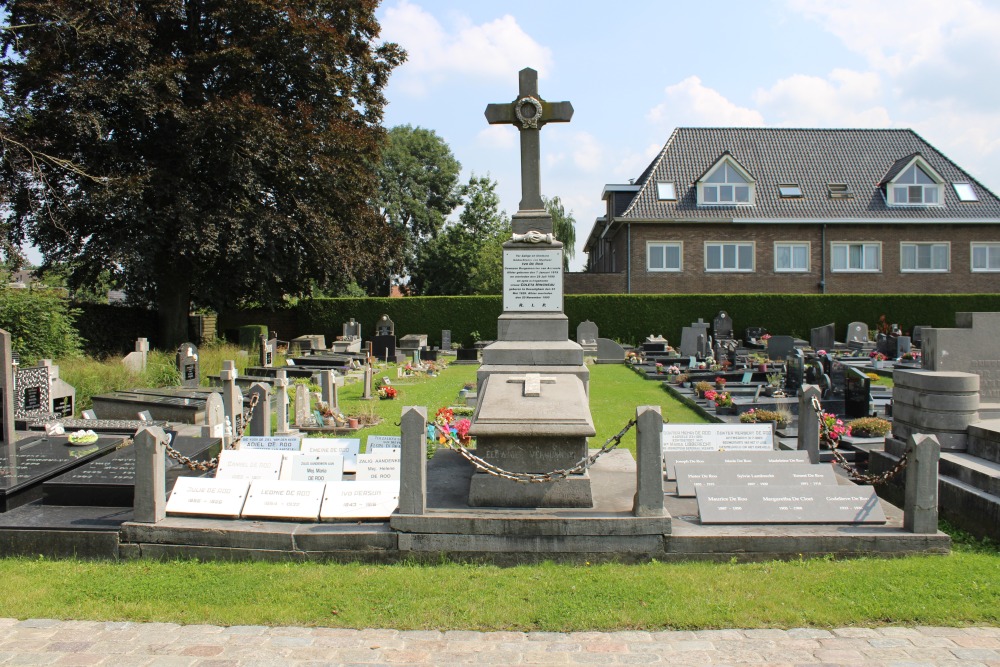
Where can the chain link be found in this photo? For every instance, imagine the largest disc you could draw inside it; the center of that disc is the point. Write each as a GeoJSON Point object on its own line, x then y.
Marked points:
{"type": "Point", "coordinates": [852, 472]}
{"type": "Point", "coordinates": [214, 462]}
{"type": "Point", "coordinates": [529, 478]}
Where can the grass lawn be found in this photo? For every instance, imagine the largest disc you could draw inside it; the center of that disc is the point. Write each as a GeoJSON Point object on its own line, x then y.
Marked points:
{"type": "Point", "coordinates": [960, 589]}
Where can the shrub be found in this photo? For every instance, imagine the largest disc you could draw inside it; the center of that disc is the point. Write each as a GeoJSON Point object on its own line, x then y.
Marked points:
{"type": "Point", "coordinates": [702, 386]}
{"type": "Point", "coordinates": [40, 323]}
{"type": "Point", "coordinates": [870, 427]}
{"type": "Point", "coordinates": [752, 416]}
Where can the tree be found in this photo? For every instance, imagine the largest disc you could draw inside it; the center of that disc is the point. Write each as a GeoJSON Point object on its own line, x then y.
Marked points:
{"type": "Point", "coordinates": [563, 226]}
{"type": "Point", "coordinates": [418, 190]}
{"type": "Point", "coordinates": [466, 258]}
{"type": "Point", "coordinates": [215, 151]}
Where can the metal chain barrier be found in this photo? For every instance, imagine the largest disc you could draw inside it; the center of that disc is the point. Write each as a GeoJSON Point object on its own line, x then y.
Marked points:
{"type": "Point", "coordinates": [529, 478]}
{"type": "Point", "coordinates": [214, 462]}
{"type": "Point", "coordinates": [852, 472]}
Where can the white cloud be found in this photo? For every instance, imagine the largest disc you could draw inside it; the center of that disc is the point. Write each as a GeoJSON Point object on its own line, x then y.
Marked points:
{"type": "Point", "coordinates": [436, 53]}
{"type": "Point", "coordinates": [631, 164]}
{"type": "Point", "coordinates": [844, 99]}
{"type": "Point", "coordinates": [691, 103]}
{"type": "Point", "coordinates": [502, 137]}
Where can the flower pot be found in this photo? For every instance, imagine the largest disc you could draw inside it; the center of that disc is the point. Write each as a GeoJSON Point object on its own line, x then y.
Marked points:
{"type": "Point", "coordinates": [725, 410]}
{"type": "Point", "coordinates": [720, 385]}
{"type": "Point", "coordinates": [352, 422]}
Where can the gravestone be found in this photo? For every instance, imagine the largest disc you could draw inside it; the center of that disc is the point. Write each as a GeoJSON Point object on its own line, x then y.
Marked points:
{"type": "Point", "coordinates": [385, 327]}
{"type": "Point", "coordinates": [971, 347]}
{"type": "Point", "coordinates": [738, 458]}
{"type": "Point", "coordinates": [857, 332]}
{"type": "Point", "coordinates": [857, 393]}
{"type": "Point", "coordinates": [249, 464]}
{"type": "Point", "coordinates": [779, 347]}
{"type": "Point", "coordinates": [689, 342]}
{"type": "Point", "coordinates": [351, 330]}
{"type": "Point", "coordinates": [691, 476]}
{"type": "Point", "coordinates": [445, 339]}
{"type": "Point", "coordinates": [917, 335]}
{"type": "Point", "coordinates": [350, 340]}
{"type": "Point", "coordinates": [309, 467]}
{"type": "Point", "coordinates": [822, 338]}
{"type": "Point", "coordinates": [609, 352]}
{"type": "Point", "coordinates": [281, 403]}
{"type": "Point", "coordinates": [753, 334]}
{"type": "Point", "coordinates": [532, 413]}
{"type": "Point", "coordinates": [359, 500]}
{"type": "Point", "coordinates": [187, 365]}
{"type": "Point", "coordinates": [232, 400]}
{"type": "Point", "coordinates": [215, 417]}
{"type": "Point", "coordinates": [586, 336]}
{"type": "Point", "coordinates": [31, 393]}
{"type": "Point", "coordinates": [789, 504]}
{"type": "Point", "coordinates": [260, 420]}
{"type": "Point", "coordinates": [7, 396]}
{"type": "Point", "coordinates": [903, 345]}
{"type": "Point", "coordinates": [886, 345]}
{"type": "Point", "coordinates": [384, 347]}
{"type": "Point", "coordinates": [135, 361]}
{"type": "Point", "coordinates": [654, 344]}
{"type": "Point", "coordinates": [328, 389]}
{"type": "Point", "coordinates": [290, 500]}
{"type": "Point", "coordinates": [62, 395]}
{"type": "Point", "coordinates": [268, 351]}
{"type": "Point", "coordinates": [795, 367]}
{"type": "Point", "coordinates": [347, 448]}
{"type": "Point", "coordinates": [722, 326]}
{"type": "Point", "coordinates": [198, 496]}
{"type": "Point", "coordinates": [412, 345]}
{"type": "Point", "coordinates": [303, 414]}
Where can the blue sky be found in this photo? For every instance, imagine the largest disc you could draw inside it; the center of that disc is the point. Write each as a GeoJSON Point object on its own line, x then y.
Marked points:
{"type": "Point", "coordinates": [636, 69]}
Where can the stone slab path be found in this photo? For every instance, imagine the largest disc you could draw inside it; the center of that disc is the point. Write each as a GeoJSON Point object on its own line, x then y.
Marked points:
{"type": "Point", "coordinates": [50, 642]}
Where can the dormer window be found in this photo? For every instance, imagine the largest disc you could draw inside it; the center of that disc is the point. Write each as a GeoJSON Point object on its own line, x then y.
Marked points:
{"type": "Point", "coordinates": [726, 185]}
{"type": "Point", "coordinates": [917, 185]}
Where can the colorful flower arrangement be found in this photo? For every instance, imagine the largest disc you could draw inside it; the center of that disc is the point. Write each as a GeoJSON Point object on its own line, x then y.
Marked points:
{"type": "Point", "coordinates": [447, 424]}
{"type": "Point", "coordinates": [831, 429]}
{"type": "Point", "coordinates": [387, 393]}
{"type": "Point", "coordinates": [710, 394]}
{"type": "Point", "coordinates": [674, 369]}
{"type": "Point", "coordinates": [720, 381]}
{"type": "Point", "coordinates": [877, 356]}
{"type": "Point", "coordinates": [659, 367]}
{"type": "Point", "coordinates": [723, 400]}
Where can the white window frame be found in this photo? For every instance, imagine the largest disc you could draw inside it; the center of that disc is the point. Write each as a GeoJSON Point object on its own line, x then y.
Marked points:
{"type": "Point", "coordinates": [666, 191]}
{"type": "Point", "coordinates": [749, 182]}
{"type": "Point", "coordinates": [738, 245]}
{"type": "Point", "coordinates": [664, 244]}
{"type": "Point", "coordinates": [892, 187]}
{"type": "Point", "coordinates": [932, 244]}
{"type": "Point", "coordinates": [793, 245]}
{"type": "Point", "coordinates": [991, 249]}
{"type": "Point", "coordinates": [865, 245]}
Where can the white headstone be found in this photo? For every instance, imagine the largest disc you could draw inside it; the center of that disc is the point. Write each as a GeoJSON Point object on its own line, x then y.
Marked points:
{"type": "Point", "coordinates": [244, 464]}
{"type": "Point", "coordinates": [273, 443]}
{"type": "Point", "coordinates": [382, 465]}
{"type": "Point", "coordinates": [316, 467]}
{"type": "Point", "coordinates": [346, 447]}
{"type": "Point", "coordinates": [284, 500]}
{"type": "Point", "coordinates": [383, 442]}
{"type": "Point", "coordinates": [359, 500]}
{"type": "Point", "coordinates": [204, 496]}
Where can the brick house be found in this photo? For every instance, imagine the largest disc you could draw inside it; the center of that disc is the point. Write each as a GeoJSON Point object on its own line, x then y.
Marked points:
{"type": "Point", "coordinates": [797, 211]}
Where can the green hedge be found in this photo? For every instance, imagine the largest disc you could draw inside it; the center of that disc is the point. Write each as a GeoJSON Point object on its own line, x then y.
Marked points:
{"type": "Point", "coordinates": [109, 329]}
{"type": "Point", "coordinates": [40, 324]}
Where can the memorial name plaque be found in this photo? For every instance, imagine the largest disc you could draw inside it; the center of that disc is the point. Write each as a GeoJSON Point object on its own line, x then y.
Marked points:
{"type": "Point", "coordinates": [307, 467]}
{"type": "Point", "coordinates": [385, 464]}
{"type": "Point", "coordinates": [359, 500]}
{"type": "Point", "coordinates": [242, 464]}
{"type": "Point", "coordinates": [789, 504]}
{"type": "Point", "coordinates": [671, 459]}
{"type": "Point", "coordinates": [691, 475]}
{"type": "Point", "coordinates": [346, 447]}
{"type": "Point", "coordinates": [384, 442]}
{"type": "Point", "coordinates": [205, 496]}
{"type": "Point", "coordinates": [532, 280]}
{"type": "Point", "coordinates": [716, 437]}
{"type": "Point", "coordinates": [284, 500]}
{"type": "Point", "coordinates": [271, 443]}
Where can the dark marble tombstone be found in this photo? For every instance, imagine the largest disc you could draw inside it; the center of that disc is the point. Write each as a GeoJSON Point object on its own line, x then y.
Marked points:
{"type": "Point", "coordinates": [753, 334]}
{"type": "Point", "coordinates": [445, 339]}
{"type": "Point", "coordinates": [886, 345]}
{"type": "Point", "coordinates": [917, 335]}
{"type": "Point", "coordinates": [110, 480]}
{"type": "Point", "coordinates": [385, 327]}
{"type": "Point", "coordinates": [31, 394]}
{"type": "Point", "coordinates": [654, 344]}
{"type": "Point", "coordinates": [857, 393]}
{"type": "Point", "coordinates": [384, 347]}
{"type": "Point", "coordinates": [903, 345]}
{"type": "Point", "coordinates": [689, 342]}
{"type": "Point", "coordinates": [822, 338]}
{"type": "Point", "coordinates": [268, 351]}
{"type": "Point", "coordinates": [779, 347]}
{"type": "Point", "coordinates": [722, 326]}
{"type": "Point", "coordinates": [187, 365]}
{"type": "Point", "coordinates": [795, 368]}
{"type": "Point", "coordinates": [25, 467]}
{"type": "Point", "coordinates": [467, 354]}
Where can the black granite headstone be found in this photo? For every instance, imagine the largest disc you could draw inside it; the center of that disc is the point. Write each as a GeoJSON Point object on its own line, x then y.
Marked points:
{"type": "Point", "coordinates": [857, 393]}
{"type": "Point", "coordinates": [384, 347]}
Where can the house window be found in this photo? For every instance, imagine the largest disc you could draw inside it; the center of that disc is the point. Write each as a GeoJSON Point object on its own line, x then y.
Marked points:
{"type": "Point", "coordinates": [965, 192]}
{"type": "Point", "coordinates": [924, 257]}
{"type": "Point", "coordinates": [729, 257]}
{"type": "Point", "coordinates": [789, 191]}
{"type": "Point", "coordinates": [856, 257]}
{"type": "Point", "coordinates": [663, 256]}
{"type": "Point", "coordinates": [914, 187]}
{"type": "Point", "coordinates": [986, 256]}
{"type": "Point", "coordinates": [791, 257]}
{"type": "Point", "coordinates": [665, 191]}
{"type": "Point", "coordinates": [726, 185]}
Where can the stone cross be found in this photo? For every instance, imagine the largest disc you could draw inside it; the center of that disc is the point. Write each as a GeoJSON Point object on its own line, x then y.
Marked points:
{"type": "Point", "coordinates": [532, 383]}
{"type": "Point", "coordinates": [528, 113]}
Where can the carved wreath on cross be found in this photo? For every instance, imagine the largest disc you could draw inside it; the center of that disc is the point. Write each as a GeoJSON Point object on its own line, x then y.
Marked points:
{"type": "Point", "coordinates": [528, 122]}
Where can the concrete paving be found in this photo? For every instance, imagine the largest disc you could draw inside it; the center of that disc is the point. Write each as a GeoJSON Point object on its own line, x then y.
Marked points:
{"type": "Point", "coordinates": [67, 643]}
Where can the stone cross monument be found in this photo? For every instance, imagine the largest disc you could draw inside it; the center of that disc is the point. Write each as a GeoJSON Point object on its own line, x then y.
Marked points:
{"type": "Point", "coordinates": [533, 413]}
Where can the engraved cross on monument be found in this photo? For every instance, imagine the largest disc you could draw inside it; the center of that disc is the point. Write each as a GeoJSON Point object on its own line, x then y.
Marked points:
{"type": "Point", "coordinates": [528, 113]}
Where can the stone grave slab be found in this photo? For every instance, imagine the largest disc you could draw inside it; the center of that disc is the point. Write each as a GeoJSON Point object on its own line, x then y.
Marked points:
{"type": "Point", "coordinates": [822, 338]}
{"type": "Point", "coordinates": [248, 465]}
{"type": "Point", "coordinates": [693, 475]}
{"type": "Point", "coordinates": [271, 443]}
{"type": "Point", "coordinates": [383, 442]}
{"type": "Point", "coordinates": [127, 404]}
{"type": "Point", "coordinates": [857, 332]}
{"type": "Point", "coordinates": [307, 467]}
{"type": "Point", "coordinates": [359, 500]}
{"type": "Point", "coordinates": [846, 504]}
{"type": "Point", "coordinates": [384, 464]}
{"type": "Point", "coordinates": [771, 458]}
{"type": "Point", "coordinates": [716, 437]}
{"type": "Point", "coordinates": [779, 347]}
{"type": "Point", "coordinates": [208, 496]}
{"type": "Point", "coordinates": [609, 352]}
{"type": "Point", "coordinates": [99, 426]}
{"type": "Point", "coordinates": [346, 447]}
{"type": "Point", "coordinates": [33, 460]}
{"type": "Point", "coordinates": [109, 481]}
{"type": "Point", "coordinates": [295, 501]}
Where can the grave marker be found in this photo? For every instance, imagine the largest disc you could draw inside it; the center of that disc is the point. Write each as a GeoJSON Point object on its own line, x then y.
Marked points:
{"type": "Point", "coordinates": [309, 467]}
{"type": "Point", "coordinates": [694, 475]}
{"type": "Point", "coordinates": [271, 443]}
{"type": "Point", "coordinates": [201, 496]}
{"type": "Point", "coordinates": [772, 458]}
{"type": "Point", "coordinates": [346, 447]}
{"type": "Point", "coordinates": [249, 464]}
{"type": "Point", "coordinates": [284, 500]}
{"type": "Point", "coordinates": [359, 500]}
{"type": "Point", "coordinates": [717, 437]}
{"type": "Point", "coordinates": [789, 504]}
{"type": "Point", "coordinates": [382, 465]}
{"type": "Point", "coordinates": [188, 366]}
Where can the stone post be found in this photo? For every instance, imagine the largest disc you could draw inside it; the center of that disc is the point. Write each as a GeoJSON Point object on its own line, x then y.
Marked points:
{"type": "Point", "coordinates": [328, 386]}
{"type": "Point", "coordinates": [368, 383]}
{"type": "Point", "coordinates": [150, 504]}
{"type": "Point", "coordinates": [142, 347]}
{"type": "Point", "coordinates": [215, 417]}
{"type": "Point", "coordinates": [920, 506]}
{"type": "Point", "coordinates": [809, 422]}
{"type": "Point", "coordinates": [281, 401]}
{"type": "Point", "coordinates": [7, 395]}
{"type": "Point", "coordinates": [648, 499]}
{"type": "Point", "coordinates": [232, 401]}
{"type": "Point", "coordinates": [260, 422]}
{"type": "Point", "coordinates": [413, 461]}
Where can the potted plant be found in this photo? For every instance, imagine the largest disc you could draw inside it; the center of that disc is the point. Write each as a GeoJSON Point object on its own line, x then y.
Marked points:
{"type": "Point", "coordinates": [659, 368]}
{"type": "Point", "coordinates": [701, 387]}
{"type": "Point", "coordinates": [869, 427]}
{"type": "Point", "coordinates": [682, 379]}
{"type": "Point", "coordinates": [724, 404]}
{"type": "Point", "coordinates": [774, 383]}
{"type": "Point", "coordinates": [720, 382]}
{"type": "Point", "coordinates": [877, 359]}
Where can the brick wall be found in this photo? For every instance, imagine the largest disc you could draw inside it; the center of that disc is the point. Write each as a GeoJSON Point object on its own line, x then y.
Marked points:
{"type": "Point", "coordinates": [890, 280]}
{"type": "Point", "coordinates": [593, 283]}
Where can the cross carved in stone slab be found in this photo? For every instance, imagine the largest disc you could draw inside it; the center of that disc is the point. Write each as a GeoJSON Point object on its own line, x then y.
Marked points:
{"type": "Point", "coordinates": [528, 113]}
{"type": "Point", "coordinates": [532, 383]}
